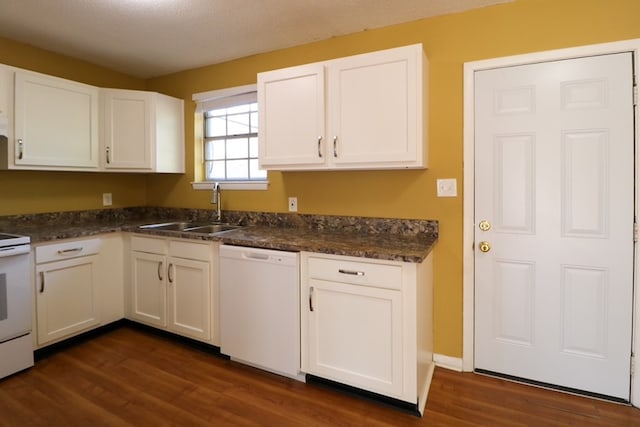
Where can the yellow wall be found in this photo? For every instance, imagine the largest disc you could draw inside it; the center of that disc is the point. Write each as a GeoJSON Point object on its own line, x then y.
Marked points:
{"type": "Point", "coordinates": [33, 192]}
{"type": "Point", "coordinates": [449, 41]}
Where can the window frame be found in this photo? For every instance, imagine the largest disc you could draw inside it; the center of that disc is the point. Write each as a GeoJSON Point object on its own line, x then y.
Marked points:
{"type": "Point", "coordinates": [210, 100]}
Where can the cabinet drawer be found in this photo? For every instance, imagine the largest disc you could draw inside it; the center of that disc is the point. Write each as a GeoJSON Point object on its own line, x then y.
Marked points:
{"type": "Point", "coordinates": [387, 276]}
{"type": "Point", "coordinates": [148, 244]}
{"type": "Point", "coordinates": [66, 250]}
{"type": "Point", "coordinates": [190, 250]}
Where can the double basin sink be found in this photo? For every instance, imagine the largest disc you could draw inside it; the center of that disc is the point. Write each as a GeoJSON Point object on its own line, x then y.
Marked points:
{"type": "Point", "coordinates": [191, 227]}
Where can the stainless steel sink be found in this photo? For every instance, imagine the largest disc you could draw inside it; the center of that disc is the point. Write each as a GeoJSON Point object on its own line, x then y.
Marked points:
{"type": "Point", "coordinates": [171, 226]}
{"type": "Point", "coordinates": [190, 227]}
{"type": "Point", "coordinates": [211, 228]}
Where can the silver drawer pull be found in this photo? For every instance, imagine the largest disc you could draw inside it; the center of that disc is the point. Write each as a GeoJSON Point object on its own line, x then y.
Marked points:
{"type": "Point", "coordinates": [351, 272]}
{"type": "Point", "coordinates": [69, 251]}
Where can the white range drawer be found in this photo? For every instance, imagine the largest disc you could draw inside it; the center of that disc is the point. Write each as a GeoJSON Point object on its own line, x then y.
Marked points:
{"type": "Point", "coordinates": [345, 270]}
{"type": "Point", "coordinates": [66, 250]}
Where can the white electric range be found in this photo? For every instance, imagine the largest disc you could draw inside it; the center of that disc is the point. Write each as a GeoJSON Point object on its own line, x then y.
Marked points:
{"type": "Point", "coordinates": [16, 345]}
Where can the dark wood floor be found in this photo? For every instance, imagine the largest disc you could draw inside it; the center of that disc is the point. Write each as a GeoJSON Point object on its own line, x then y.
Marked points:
{"type": "Point", "coordinates": [131, 377]}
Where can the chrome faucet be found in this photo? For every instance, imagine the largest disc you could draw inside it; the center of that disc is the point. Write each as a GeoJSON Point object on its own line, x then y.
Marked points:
{"type": "Point", "coordinates": [215, 199]}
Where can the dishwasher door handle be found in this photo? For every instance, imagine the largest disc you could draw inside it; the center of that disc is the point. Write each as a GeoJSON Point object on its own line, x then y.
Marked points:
{"type": "Point", "coordinates": [253, 255]}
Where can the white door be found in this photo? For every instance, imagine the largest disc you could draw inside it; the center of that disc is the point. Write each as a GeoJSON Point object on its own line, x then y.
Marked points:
{"type": "Point", "coordinates": [554, 204]}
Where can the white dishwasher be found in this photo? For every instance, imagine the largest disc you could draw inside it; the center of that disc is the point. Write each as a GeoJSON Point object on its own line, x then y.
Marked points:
{"type": "Point", "coordinates": [259, 308]}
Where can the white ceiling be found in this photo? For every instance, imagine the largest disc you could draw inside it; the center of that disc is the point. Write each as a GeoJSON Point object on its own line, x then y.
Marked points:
{"type": "Point", "coordinates": [148, 38]}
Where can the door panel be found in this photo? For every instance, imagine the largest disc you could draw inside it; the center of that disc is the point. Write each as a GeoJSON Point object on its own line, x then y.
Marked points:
{"type": "Point", "coordinates": [189, 298]}
{"type": "Point", "coordinates": [149, 302]}
{"type": "Point", "coordinates": [554, 182]}
{"type": "Point", "coordinates": [355, 335]}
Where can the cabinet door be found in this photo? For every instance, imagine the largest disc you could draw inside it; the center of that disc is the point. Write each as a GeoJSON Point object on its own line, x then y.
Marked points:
{"type": "Point", "coordinates": [169, 134]}
{"type": "Point", "coordinates": [355, 336]}
{"type": "Point", "coordinates": [110, 284]}
{"type": "Point", "coordinates": [128, 131]}
{"type": "Point", "coordinates": [6, 106]}
{"type": "Point", "coordinates": [291, 116]}
{"type": "Point", "coordinates": [148, 298]}
{"type": "Point", "coordinates": [66, 298]}
{"type": "Point", "coordinates": [56, 123]}
{"type": "Point", "coordinates": [189, 291]}
{"type": "Point", "coordinates": [375, 109]}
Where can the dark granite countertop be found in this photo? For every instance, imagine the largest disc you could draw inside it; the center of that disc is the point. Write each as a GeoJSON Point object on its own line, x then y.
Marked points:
{"type": "Point", "coordinates": [386, 239]}
{"type": "Point", "coordinates": [387, 247]}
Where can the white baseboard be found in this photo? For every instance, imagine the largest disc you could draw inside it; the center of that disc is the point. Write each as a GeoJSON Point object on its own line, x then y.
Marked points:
{"type": "Point", "coordinates": [448, 362]}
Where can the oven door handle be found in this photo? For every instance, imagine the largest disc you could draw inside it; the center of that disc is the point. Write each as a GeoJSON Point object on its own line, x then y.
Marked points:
{"type": "Point", "coordinates": [14, 250]}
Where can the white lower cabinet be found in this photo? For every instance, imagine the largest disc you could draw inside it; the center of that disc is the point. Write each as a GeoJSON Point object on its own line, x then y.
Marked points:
{"type": "Point", "coordinates": [172, 286]}
{"type": "Point", "coordinates": [368, 324]}
{"type": "Point", "coordinates": [78, 286]}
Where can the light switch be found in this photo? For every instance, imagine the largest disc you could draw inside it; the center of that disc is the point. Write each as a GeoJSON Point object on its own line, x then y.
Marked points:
{"type": "Point", "coordinates": [106, 199]}
{"type": "Point", "coordinates": [447, 187]}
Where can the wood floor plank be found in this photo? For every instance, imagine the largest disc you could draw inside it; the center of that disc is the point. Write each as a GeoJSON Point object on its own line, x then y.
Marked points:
{"type": "Point", "coordinates": [131, 377]}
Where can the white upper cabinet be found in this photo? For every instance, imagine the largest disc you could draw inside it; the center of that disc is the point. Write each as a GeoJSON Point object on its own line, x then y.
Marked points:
{"type": "Point", "coordinates": [49, 123]}
{"type": "Point", "coordinates": [56, 124]}
{"type": "Point", "coordinates": [360, 112]}
{"type": "Point", "coordinates": [142, 132]}
{"type": "Point", "coordinates": [291, 123]}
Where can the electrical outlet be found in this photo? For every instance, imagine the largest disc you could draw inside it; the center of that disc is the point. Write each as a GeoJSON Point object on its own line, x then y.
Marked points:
{"type": "Point", "coordinates": [293, 204]}
{"type": "Point", "coordinates": [107, 199]}
{"type": "Point", "coordinates": [447, 187]}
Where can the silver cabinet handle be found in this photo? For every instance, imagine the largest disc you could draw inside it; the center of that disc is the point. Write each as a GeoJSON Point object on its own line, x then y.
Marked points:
{"type": "Point", "coordinates": [320, 146]}
{"type": "Point", "coordinates": [20, 149]}
{"type": "Point", "coordinates": [41, 281]}
{"type": "Point", "coordinates": [160, 277]}
{"type": "Point", "coordinates": [351, 272]}
{"type": "Point", "coordinates": [108, 155]}
{"type": "Point", "coordinates": [69, 251]}
{"type": "Point", "coordinates": [335, 146]}
{"type": "Point", "coordinates": [311, 298]}
{"type": "Point", "coordinates": [169, 273]}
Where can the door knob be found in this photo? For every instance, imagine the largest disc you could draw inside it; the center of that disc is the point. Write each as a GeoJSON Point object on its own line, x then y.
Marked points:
{"type": "Point", "coordinates": [484, 225]}
{"type": "Point", "coordinates": [484, 246]}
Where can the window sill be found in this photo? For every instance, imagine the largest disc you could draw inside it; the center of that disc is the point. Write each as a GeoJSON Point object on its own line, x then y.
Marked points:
{"type": "Point", "coordinates": [232, 185]}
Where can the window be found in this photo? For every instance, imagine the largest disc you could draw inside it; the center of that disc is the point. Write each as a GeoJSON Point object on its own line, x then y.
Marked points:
{"type": "Point", "coordinates": [231, 144]}
{"type": "Point", "coordinates": [228, 119]}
